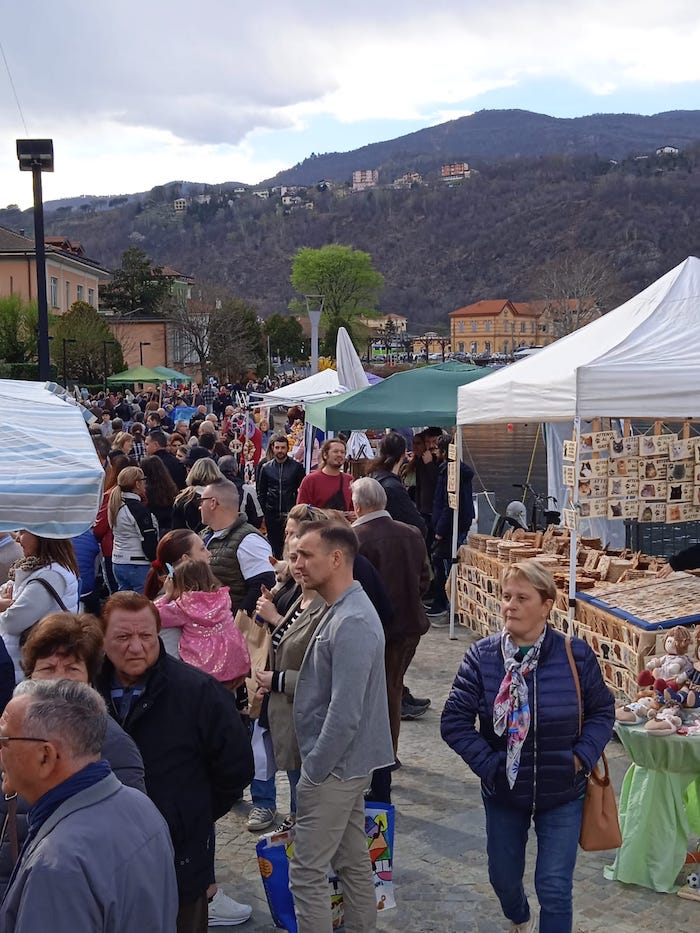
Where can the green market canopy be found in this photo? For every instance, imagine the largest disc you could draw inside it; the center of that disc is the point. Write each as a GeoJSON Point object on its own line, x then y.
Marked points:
{"type": "Point", "coordinates": [426, 395]}
{"type": "Point", "coordinates": [137, 374]}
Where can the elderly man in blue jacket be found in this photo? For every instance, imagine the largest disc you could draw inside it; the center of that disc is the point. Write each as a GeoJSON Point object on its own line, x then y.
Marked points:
{"type": "Point", "coordinates": [98, 856]}
{"type": "Point", "coordinates": [341, 719]}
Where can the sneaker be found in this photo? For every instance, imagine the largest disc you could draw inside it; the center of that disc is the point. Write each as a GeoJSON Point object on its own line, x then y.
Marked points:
{"type": "Point", "coordinates": [289, 822]}
{"type": "Point", "coordinates": [439, 619]}
{"type": "Point", "coordinates": [527, 927]}
{"type": "Point", "coordinates": [410, 712]}
{"type": "Point", "coordinates": [260, 818]}
{"type": "Point", "coordinates": [415, 701]}
{"type": "Point", "coordinates": [225, 912]}
{"type": "Point", "coordinates": [437, 611]}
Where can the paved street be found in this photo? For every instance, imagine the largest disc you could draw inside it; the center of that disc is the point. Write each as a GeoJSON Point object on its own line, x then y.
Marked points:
{"type": "Point", "coordinates": [440, 873]}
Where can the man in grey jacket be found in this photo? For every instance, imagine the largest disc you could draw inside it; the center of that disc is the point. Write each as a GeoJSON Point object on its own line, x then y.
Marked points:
{"type": "Point", "coordinates": [342, 724]}
{"type": "Point", "coordinates": [98, 856]}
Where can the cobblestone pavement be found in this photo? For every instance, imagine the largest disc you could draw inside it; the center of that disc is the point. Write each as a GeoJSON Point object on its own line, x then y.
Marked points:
{"type": "Point", "coordinates": [440, 874]}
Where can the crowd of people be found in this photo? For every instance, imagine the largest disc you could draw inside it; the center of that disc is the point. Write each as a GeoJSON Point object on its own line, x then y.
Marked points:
{"type": "Point", "coordinates": [215, 629]}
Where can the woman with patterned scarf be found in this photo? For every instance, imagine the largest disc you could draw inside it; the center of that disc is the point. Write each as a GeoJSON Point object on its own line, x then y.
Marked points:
{"type": "Point", "coordinates": [528, 752]}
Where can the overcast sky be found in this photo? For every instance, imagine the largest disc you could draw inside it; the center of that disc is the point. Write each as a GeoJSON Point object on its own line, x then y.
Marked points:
{"type": "Point", "coordinates": [136, 94]}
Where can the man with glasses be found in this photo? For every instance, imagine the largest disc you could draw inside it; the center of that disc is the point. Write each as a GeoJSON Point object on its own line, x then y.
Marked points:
{"type": "Point", "coordinates": [240, 555]}
{"type": "Point", "coordinates": [90, 838]}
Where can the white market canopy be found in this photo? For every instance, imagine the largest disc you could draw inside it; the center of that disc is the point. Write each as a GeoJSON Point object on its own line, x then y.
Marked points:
{"type": "Point", "coordinates": [312, 389]}
{"type": "Point", "coordinates": [641, 360]}
{"type": "Point", "coordinates": [50, 476]}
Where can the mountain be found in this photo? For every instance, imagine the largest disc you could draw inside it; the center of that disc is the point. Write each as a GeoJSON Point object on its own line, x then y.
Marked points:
{"type": "Point", "coordinates": [438, 246]}
{"type": "Point", "coordinates": [495, 135]}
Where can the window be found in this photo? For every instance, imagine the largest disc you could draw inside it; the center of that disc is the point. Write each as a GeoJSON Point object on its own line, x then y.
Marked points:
{"type": "Point", "coordinates": [487, 346]}
{"type": "Point", "coordinates": [91, 296]}
{"type": "Point", "coordinates": [79, 292]}
{"type": "Point", "coordinates": [505, 346]}
{"type": "Point", "coordinates": [487, 327]}
{"type": "Point", "coordinates": [523, 327]}
{"type": "Point", "coordinates": [67, 295]}
{"type": "Point", "coordinates": [474, 347]}
{"type": "Point", "coordinates": [474, 326]}
{"type": "Point", "coordinates": [532, 327]}
{"type": "Point", "coordinates": [461, 347]}
{"type": "Point", "coordinates": [54, 292]}
{"type": "Point", "coordinates": [543, 328]}
{"type": "Point", "coordinates": [460, 327]}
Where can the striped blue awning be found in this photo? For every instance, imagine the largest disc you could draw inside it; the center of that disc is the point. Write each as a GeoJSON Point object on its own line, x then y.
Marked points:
{"type": "Point", "coordinates": [50, 476]}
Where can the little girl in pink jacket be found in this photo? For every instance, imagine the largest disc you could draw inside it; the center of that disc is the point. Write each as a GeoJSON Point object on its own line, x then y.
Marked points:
{"type": "Point", "coordinates": [196, 602]}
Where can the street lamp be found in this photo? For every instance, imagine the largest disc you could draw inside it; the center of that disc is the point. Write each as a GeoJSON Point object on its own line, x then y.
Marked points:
{"type": "Point", "coordinates": [105, 344]}
{"type": "Point", "coordinates": [315, 318]}
{"type": "Point", "coordinates": [142, 344]}
{"type": "Point", "coordinates": [65, 367]}
{"type": "Point", "coordinates": [36, 156]}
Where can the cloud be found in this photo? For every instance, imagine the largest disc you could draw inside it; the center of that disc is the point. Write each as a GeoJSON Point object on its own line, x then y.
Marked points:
{"type": "Point", "coordinates": [201, 83]}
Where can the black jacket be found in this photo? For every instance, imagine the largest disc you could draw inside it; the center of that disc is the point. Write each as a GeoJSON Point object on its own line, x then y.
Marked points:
{"type": "Point", "coordinates": [196, 754]}
{"type": "Point", "coordinates": [398, 502]}
{"type": "Point", "coordinates": [278, 484]}
{"type": "Point", "coordinates": [173, 466]}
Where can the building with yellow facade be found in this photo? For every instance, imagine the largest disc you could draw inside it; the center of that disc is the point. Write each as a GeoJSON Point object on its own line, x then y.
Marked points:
{"type": "Point", "coordinates": [500, 326]}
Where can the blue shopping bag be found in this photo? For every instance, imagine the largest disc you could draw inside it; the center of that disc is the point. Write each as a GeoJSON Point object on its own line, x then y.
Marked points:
{"type": "Point", "coordinates": [275, 849]}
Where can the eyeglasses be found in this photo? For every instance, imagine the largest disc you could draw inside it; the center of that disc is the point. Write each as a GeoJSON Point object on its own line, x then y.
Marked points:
{"type": "Point", "coordinates": [204, 498]}
{"type": "Point", "coordinates": [6, 739]}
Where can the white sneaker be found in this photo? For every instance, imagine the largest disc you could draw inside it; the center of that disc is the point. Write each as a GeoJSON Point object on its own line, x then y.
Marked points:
{"type": "Point", "coordinates": [260, 818]}
{"type": "Point", "coordinates": [225, 912]}
{"type": "Point", "coordinates": [527, 927]}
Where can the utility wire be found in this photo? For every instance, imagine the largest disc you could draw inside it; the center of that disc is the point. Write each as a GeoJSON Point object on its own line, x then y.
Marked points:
{"type": "Point", "coordinates": [14, 89]}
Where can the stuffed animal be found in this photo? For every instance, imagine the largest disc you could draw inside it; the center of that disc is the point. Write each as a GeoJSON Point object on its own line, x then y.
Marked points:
{"type": "Point", "coordinates": [665, 721]}
{"type": "Point", "coordinates": [672, 669]}
{"type": "Point", "coordinates": [689, 693]}
{"type": "Point", "coordinates": [633, 713]}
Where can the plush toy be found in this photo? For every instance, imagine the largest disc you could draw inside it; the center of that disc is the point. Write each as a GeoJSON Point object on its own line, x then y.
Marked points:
{"type": "Point", "coordinates": [665, 721]}
{"type": "Point", "coordinates": [689, 693]}
{"type": "Point", "coordinates": [633, 713]}
{"type": "Point", "coordinates": [672, 669]}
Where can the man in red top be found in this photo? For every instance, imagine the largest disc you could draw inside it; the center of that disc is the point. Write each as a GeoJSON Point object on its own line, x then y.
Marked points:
{"type": "Point", "coordinates": [328, 487]}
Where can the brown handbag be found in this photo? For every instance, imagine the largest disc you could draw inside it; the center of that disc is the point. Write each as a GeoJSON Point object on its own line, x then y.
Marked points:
{"type": "Point", "coordinates": [600, 828]}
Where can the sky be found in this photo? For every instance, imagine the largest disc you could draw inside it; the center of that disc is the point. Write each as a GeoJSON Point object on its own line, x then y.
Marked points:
{"type": "Point", "coordinates": [136, 94]}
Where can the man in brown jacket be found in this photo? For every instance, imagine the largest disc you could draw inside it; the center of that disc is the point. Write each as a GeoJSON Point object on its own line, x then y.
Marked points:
{"type": "Point", "coordinates": [399, 555]}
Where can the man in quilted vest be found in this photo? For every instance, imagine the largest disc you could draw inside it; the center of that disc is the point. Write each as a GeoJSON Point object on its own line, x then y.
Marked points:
{"type": "Point", "coordinates": [240, 555]}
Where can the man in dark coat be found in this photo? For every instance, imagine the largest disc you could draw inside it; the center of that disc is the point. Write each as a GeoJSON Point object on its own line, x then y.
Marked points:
{"type": "Point", "coordinates": [156, 444]}
{"type": "Point", "coordinates": [278, 483]}
{"type": "Point", "coordinates": [195, 748]}
{"type": "Point", "coordinates": [399, 555]}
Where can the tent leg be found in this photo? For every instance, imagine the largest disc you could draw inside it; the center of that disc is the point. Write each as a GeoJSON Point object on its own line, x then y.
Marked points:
{"type": "Point", "coordinates": [455, 532]}
{"type": "Point", "coordinates": [573, 541]}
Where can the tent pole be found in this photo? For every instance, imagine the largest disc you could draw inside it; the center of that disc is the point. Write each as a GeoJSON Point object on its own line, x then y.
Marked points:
{"type": "Point", "coordinates": [573, 540]}
{"type": "Point", "coordinates": [455, 531]}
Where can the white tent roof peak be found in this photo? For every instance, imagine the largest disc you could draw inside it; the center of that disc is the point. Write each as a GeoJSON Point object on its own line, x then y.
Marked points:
{"type": "Point", "coordinates": [641, 360]}
{"type": "Point", "coordinates": [312, 389]}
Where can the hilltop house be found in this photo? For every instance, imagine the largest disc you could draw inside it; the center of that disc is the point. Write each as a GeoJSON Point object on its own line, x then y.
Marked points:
{"type": "Point", "coordinates": [70, 275]}
{"type": "Point", "coordinates": [365, 178]}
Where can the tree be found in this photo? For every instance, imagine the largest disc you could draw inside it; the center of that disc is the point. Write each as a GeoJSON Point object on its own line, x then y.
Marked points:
{"type": "Point", "coordinates": [344, 277]}
{"type": "Point", "coordinates": [18, 330]}
{"type": "Point", "coordinates": [286, 337]}
{"type": "Point", "coordinates": [91, 343]}
{"type": "Point", "coordinates": [225, 336]}
{"type": "Point", "coordinates": [136, 286]}
{"type": "Point", "coordinates": [577, 288]}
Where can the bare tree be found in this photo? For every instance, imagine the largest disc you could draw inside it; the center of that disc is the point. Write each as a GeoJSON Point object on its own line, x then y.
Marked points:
{"type": "Point", "coordinates": [577, 288]}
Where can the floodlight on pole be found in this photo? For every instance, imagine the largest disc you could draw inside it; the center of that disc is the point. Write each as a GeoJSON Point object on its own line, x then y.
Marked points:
{"type": "Point", "coordinates": [315, 318]}
{"type": "Point", "coordinates": [36, 156]}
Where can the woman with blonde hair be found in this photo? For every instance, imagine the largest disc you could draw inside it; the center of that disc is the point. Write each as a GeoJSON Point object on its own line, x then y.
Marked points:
{"type": "Point", "coordinates": [123, 441]}
{"type": "Point", "coordinates": [186, 506]}
{"type": "Point", "coordinates": [535, 746]}
{"type": "Point", "coordinates": [134, 529]}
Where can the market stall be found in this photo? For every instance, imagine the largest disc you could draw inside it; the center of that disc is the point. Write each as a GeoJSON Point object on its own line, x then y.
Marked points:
{"type": "Point", "coordinates": [50, 476]}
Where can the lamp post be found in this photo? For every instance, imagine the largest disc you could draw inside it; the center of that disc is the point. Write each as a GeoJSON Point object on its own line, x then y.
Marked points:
{"type": "Point", "coordinates": [36, 156]}
{"type": "Point", "coordinates": [315, 318]}
{"type": "Point", "coordinates": [142, 344]}
{"type": "Point", "coordinates": [105, 344]}
{"type": "Point", "coordinates": [65, 365]}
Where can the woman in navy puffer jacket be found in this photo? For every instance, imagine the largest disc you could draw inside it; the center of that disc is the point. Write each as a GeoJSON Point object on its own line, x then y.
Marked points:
{"type": "Point", "coordinates": [532, 762]}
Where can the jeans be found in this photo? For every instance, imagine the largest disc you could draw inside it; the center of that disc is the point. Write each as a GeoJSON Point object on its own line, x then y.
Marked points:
{"type": "Point", "coordinates": [264, 793]}
{"type": "Point", "coordinates": [131, 576]}
{"type": "Point", "coordinates": [557, 833]}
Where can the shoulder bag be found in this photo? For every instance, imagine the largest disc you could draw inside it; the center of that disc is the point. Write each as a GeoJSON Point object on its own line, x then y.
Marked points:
{"type": "Point", "coordinates": [600, 828]}
{"type": "Point", "coordinates": [337, 500]}
{"type": "Point", "coordinates": [52, 592]}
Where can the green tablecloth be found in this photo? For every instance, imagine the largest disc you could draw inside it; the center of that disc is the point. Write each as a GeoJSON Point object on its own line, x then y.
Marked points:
{"type": "Point", "coordinates": [659, 807]}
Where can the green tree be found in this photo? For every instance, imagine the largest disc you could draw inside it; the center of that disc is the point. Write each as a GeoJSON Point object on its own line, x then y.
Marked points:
{"type": "Point", "coordinates": [346, 280]}
{"type": "Point", "coordinates": [137, 286]}
{"type": "Point", "coordinates": [89, 341]}
{"type": "Point", "coordinates": [18, 330]}
{"type": "Point", "coordinates": [286, 337]}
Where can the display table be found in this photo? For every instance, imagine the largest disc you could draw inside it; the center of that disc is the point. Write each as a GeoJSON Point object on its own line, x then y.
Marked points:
{"type": "Point", "coordinates": [658, 807]}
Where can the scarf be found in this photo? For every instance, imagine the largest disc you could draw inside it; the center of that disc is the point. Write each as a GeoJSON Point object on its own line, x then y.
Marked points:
{"type": "Point", "coordinates": [511, 709]}
{"type": "Point", "coordinates": [25, 563]}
